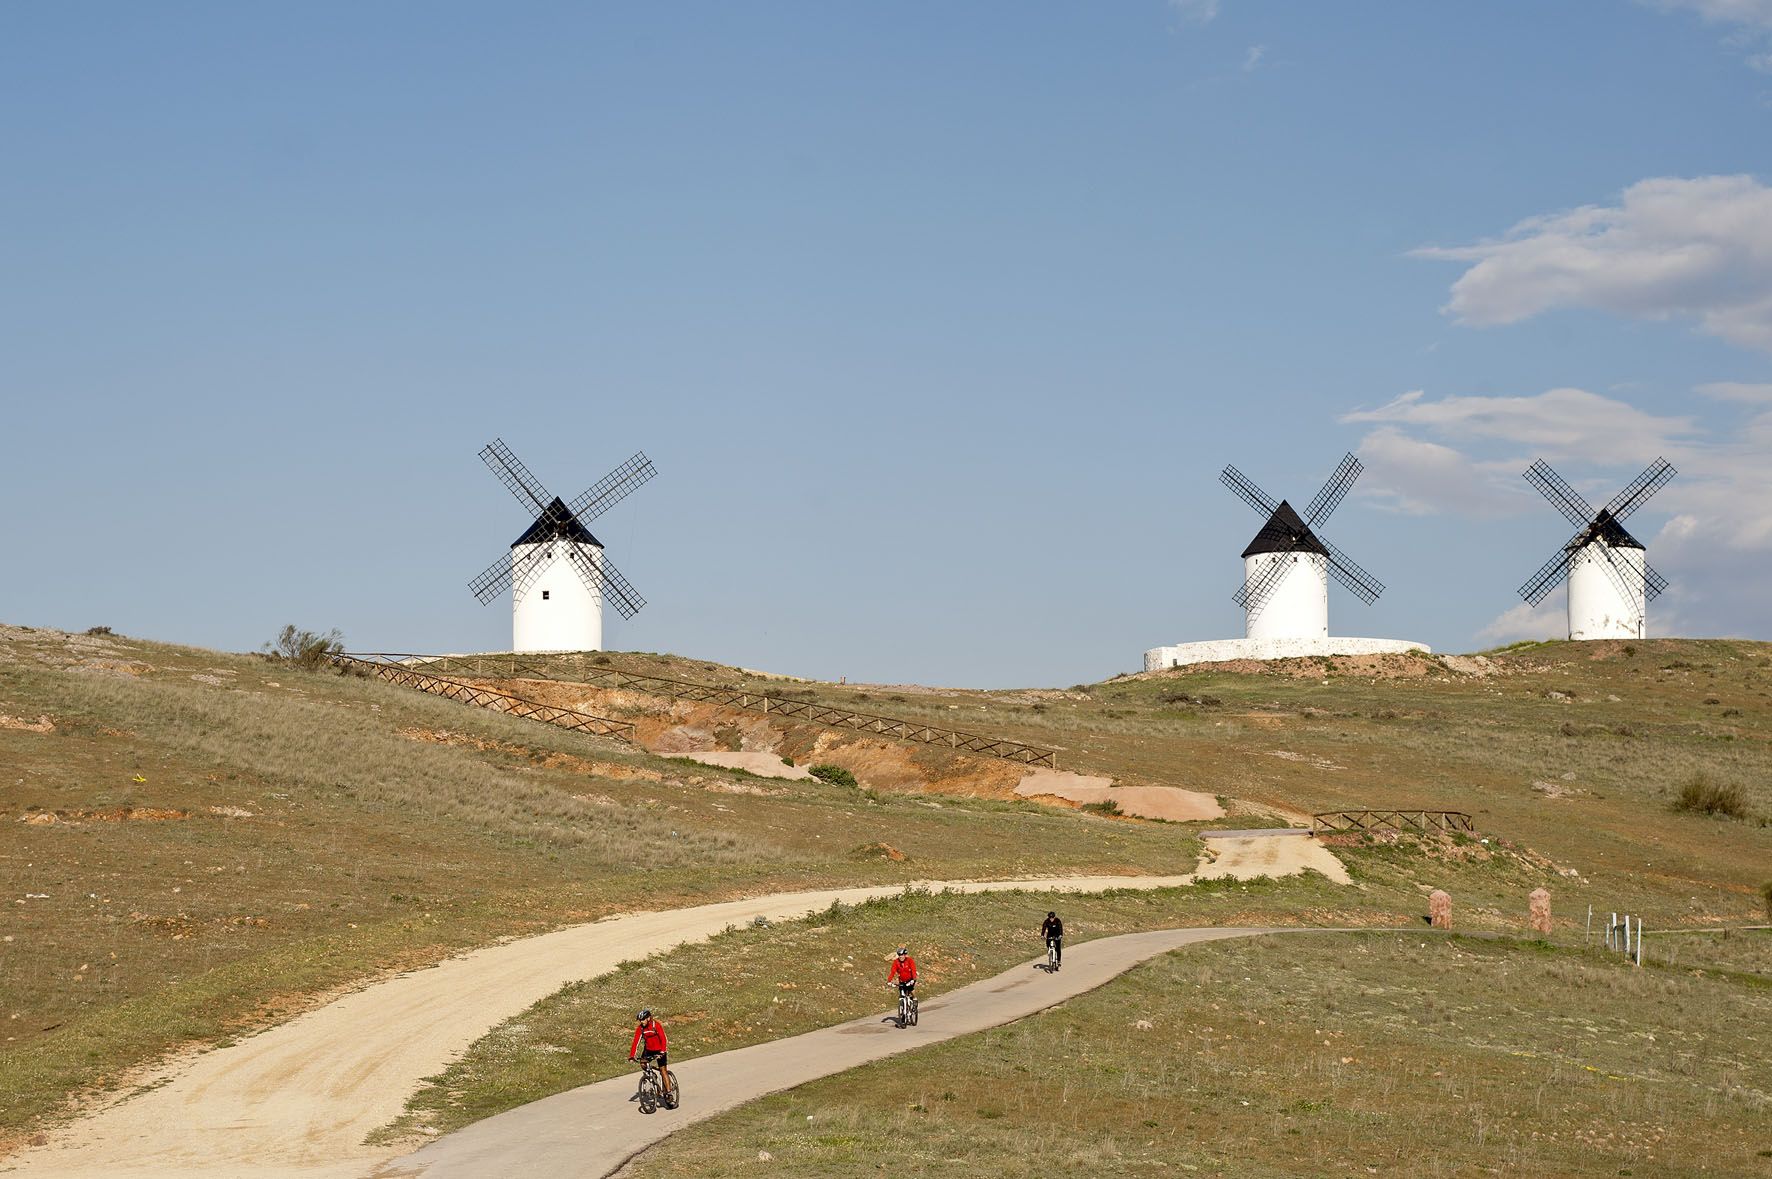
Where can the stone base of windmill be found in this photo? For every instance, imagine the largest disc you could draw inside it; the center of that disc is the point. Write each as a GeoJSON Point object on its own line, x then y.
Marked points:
{"type": "Point", "coordinates": [1224, 650]}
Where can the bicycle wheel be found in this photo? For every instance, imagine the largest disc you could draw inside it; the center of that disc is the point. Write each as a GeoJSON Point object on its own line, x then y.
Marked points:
{"type": "Point", "coordinates": [649, 1093]}
{"type": "Point", "coordinates": [674, 1098]}
{"type": "Point", "coordinates": [913, 1013]}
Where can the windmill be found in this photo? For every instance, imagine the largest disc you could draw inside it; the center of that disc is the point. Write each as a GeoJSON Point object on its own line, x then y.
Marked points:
{"type": "Point", "coordinates": [556, 571]}
{"type": "Point", "coordinates": [1286, 568]}
{"type": "Point", "coordinates": [1610, 580]}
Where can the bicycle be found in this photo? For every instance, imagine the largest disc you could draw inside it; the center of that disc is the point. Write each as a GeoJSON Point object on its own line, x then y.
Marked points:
{"type": "Point", "coordinates": [907, 1009]}
{"type": "Point", "coordinates": [1051, 955]}
{"type": "Point", "coordinates": [651, 1093]}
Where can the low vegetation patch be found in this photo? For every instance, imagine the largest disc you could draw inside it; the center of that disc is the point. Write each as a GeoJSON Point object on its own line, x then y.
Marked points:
{"type": "Point", "coordinates": [835, 775]}
{"type": "Point", "coordinates": [1703, 795]}
{"type": "Point", "coordinates": [305, 648]}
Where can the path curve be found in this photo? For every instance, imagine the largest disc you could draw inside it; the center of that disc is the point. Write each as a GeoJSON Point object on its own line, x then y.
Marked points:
{"type": "Point", "coordinates": [297, 1100]}
{"type": "Point", "coordinates": [595, 1130]}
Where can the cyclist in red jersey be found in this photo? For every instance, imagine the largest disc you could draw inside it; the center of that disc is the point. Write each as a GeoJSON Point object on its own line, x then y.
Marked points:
{"type": "Point", "coordinates": [651, 1033]}
{"type": "Point", "coordinates": [903, 972]}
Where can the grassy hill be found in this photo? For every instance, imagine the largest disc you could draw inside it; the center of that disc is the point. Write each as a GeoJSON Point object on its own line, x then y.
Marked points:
{"type": "Point", "coordinates": [200, 842]}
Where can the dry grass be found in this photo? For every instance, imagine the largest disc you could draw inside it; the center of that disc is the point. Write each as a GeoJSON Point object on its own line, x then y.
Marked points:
{"type": "Point", "coordinates": [322, 844]}
{"type": "Point", "coordinates": [1402, 1055]}
{"type": "Point", "coordinates": [362, 849]}
{"type": "Point", "coordinates": [752, 985]}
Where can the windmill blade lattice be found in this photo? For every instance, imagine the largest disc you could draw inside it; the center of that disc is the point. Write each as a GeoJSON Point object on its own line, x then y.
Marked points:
{"type": "Point", "coordinates": [1547, 578]}
{"type": "Point", "coordinates": [1246, 489]}
{"type": "Point", "coordinates": [515, 476]}
{"type": "Point", "coordinates": [612, 488]}
{"type": "Point", "coordinates": [1562, 497]}
{"type": "Point", "coordinates": [1365, 586]}
{"type": "Point", "coordinates": [1600, 530]}
{"type": "Point", "coordinates": [1287, 535]}
{"type": "Point", "coordinates": [1637, 492]}
{"type": "Point", "coordinates": [493, 580]}
{"type": "Point", "coordinates": [1334, 491]}
{"type": "Point", "coordinates": [605, 580]}
{"type": "Point", "coordinates": [559, 530]}
{"type": "Point", "coordinates": [1253, 595]}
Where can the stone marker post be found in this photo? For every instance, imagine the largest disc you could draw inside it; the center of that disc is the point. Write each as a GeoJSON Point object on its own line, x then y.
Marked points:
{"type": "Point", "coordinates": [1540, 901]}
{"type": "Point", "coordinates": [1439, 909]}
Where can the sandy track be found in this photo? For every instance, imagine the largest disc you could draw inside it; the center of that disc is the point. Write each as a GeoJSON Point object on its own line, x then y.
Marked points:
{"type": "Point", "coordinates": [298, 1099]}
{"type": "Point", "coordinates": [595, 1130]}
{"type": "Point", "coordinates": [1144, 802]}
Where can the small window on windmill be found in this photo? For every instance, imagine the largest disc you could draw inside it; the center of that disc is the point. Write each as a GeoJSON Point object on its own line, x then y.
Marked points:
{"type": "Point", "coordinates": [544, 595]}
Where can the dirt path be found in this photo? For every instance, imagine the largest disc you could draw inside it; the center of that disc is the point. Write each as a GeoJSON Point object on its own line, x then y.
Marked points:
{"type": "Point", "coordinates": [298, 1099]}
{"type": "Point", "coordinates": [1144, 802]}
{"type": "Point", "coordinates": [595, 1130]}
{"type": "Point", "coordinates": [1246, 857]}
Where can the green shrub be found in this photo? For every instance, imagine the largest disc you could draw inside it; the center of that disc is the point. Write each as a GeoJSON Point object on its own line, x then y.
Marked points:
{"type": "Point", "coordinates": [1106, 806]}
{"type": "Point", "coordinates": [1701, 795]}
{"type": "Point", "coordinates": [835, 775]}
{"type": "Point", "coordinates": [1766, 898]}
{"type": "Point", "coordinates": [304, 648]}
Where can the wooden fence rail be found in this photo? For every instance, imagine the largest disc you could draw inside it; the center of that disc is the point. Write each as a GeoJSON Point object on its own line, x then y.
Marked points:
{"type": "Point", "coordinates": [578, 670]}
{"type": "Point", "coordinates": [1405, 820]}
{"type": "Point", "coordinates": [487, 698]}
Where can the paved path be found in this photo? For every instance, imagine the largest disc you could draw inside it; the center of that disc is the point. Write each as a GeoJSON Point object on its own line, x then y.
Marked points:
{"type": "Point", "coordinates": [297, 1100]}
{"type": "Point", "coordinates": [595, 1130]}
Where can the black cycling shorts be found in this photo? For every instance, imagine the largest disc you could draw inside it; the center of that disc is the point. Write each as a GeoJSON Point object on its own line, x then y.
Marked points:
{"type": "Point", "coordinates": [663, 1058]}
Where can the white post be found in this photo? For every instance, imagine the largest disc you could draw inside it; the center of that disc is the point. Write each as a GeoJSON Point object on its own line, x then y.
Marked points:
{"type": "Point", "coordinates": [1612, 932]}
{"type": "Point", "coordinates": [1639, 941]}
{"type": "Point", "coordinates": [1590, 921]}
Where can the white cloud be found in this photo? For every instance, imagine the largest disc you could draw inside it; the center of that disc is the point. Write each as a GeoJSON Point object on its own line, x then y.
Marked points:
{"type": "Point", "coordinates": [1463, 457]}
{"type": "Point", "coordinates": [1420, 478]}
{"type": "Point", "coordinates": [1547, 620]}
{"type": "Point", "coordinates": [1737, 391]}
{"type": "Point", "coordinates": [1554, 424]}
{"type": "Point", "coordinates": [1253, 56]}
{"type": "Point", "coordinates": [1199, 11]}
{"type": "Point", "coordinates": [1757, 13]}
{"type": "Point", "coordinates": [1699, 248]}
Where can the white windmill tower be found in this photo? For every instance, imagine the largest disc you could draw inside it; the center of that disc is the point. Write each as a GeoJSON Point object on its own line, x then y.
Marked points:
{"type": "Point", "coordinates": [1286, 568]}
{"type": "Point", "coordinates": [1285, 590]}
{"type": "Point", "coordinates": [557, 571]}
{"type": "Point", "coordinates": [1610, 580]}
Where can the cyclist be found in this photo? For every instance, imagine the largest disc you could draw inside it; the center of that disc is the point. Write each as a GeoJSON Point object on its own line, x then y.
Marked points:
{"type": "Point", "coordinates": [649, 1031]}
{"type": "Point", "coordinates": [903, 972]}
{"type": "Point", "coordinates": [1052, 929]}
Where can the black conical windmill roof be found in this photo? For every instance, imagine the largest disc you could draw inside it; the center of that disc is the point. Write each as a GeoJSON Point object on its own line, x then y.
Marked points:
{"type": "Point", "coordinates": [1607, 530]}
{"type": "Point", "coordinates": [556, 524]}
{"type": "Point", "coordinates": [1285, 532]}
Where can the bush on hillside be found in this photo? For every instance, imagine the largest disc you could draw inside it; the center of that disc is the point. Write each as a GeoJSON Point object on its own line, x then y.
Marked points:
{"type": "Point", "coordinates": [1701, 795]}
{"type": "Point", "coordinates": [1106, 806]}
{"type": "Point", "coordinates": [1766, 899]}
{"type": "Point", "coordinates": [835, 775]}
{"type": "Point", "coordinates": [304, 648]}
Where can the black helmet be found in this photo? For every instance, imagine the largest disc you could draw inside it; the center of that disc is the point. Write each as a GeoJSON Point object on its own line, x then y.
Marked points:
{"type": "Point", "coordinates": [1052, 914]}
{"type": "Point", "coordinates": [643, 1015]}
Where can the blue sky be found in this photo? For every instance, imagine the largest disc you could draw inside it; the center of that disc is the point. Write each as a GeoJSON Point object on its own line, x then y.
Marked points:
{"type": "Point", "coordinates": [938, 320]}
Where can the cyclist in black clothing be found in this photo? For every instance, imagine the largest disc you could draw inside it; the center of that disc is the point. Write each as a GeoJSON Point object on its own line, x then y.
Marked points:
{"type": "Point", "coordinates": [1052, 929]}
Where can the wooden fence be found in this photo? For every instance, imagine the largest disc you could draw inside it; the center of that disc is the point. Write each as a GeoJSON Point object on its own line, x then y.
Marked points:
{"type": "Point", "coordinates": [579, 670]}
{"type": "Point", "coordinates": [565, 718]}
{"type": "Point", "coordinates": [1398, 821]}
